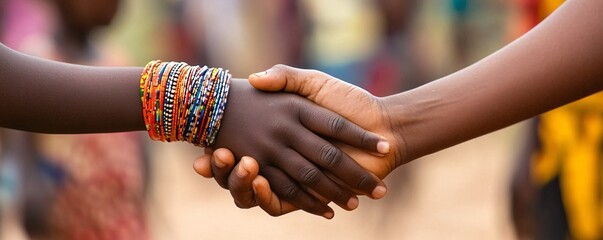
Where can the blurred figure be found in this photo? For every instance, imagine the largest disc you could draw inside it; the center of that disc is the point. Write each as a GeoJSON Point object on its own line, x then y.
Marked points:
{"type": "Point", "coordinates": [249, 38]}
{"type": "Point", "coordinates": [371, 44]}
{"type": "Point", "coordinates": [341, 37]}
{"type": "Point", "coordinates": [557, 186]}
{"type": "Point", "coordinates": [25, 24]}
{"type": "Point", "coordinates": [396, 65]}
{"type": "Point", "coordinates": [88, 186]}
{"type": "Point", "coordinates": [399, 63]}
{"type": "Point", "coordinates": [461, 30]}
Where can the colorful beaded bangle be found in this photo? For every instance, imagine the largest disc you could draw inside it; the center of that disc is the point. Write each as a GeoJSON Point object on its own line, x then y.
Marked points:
{"type": "Point", "coordinates": [182, 102]}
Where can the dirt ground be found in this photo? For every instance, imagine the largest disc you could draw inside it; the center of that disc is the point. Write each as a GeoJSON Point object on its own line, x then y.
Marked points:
{"type": "Point", "coordinates": [458, 193]}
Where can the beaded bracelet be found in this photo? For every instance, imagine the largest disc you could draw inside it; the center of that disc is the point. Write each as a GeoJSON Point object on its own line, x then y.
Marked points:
{"type": "Point", "coordinates": [182, 102]}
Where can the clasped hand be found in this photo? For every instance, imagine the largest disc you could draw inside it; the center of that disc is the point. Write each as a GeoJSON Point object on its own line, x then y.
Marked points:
{"type": "Point", "coordinates": [297, 168]}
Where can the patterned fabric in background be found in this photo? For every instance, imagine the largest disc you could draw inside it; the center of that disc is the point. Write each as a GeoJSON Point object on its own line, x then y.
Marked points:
{"type": "Point", "coordinates": [101, 195]}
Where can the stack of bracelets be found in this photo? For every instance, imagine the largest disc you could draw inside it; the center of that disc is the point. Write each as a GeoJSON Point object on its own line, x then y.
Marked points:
{"type": "Point", "coordinates": [182, 102]}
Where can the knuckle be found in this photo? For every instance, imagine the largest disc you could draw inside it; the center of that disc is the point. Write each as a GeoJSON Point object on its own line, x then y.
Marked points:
{"type": "Point", "coordinates": [283, 70]}
{"type": "Point", "coordinates": [336, 124]}
{"type": "Point", "coordinates": [293, 103]}
{"type": "Point", "coordinates": [310, 176]}
{"type": "Point", "coordinates": [280, 127]}
{"type": "Point", "coordinates": [340, 196]}
{"type": "Point", "coordinates": [363, 182]}
{"type": "Point", "coordinates": [331, 155]}
{"type": "Point", "coordinates": [291, 191]}
{"type": "Point", "coordinates": [364, 138]}
{"type": "Point", "coordinates": [280, 67]}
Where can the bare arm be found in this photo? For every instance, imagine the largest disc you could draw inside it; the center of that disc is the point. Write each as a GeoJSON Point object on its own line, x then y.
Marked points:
{"type": "Point", "coordinates": [558, 62]}
{"type": "Point", "coordinates": [78, 99]}
{"type": "Point", "coordinates": [285, 131]}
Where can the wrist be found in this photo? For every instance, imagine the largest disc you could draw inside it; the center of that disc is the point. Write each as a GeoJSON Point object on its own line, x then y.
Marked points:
{"type": "Point", "coordinates": [182, 102]}
{"type": "Point", "coordinates": [395, 115]}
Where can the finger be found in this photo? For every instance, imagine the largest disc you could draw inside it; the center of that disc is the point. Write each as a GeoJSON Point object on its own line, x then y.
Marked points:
{"type": "Point", "coordinates": [202, 166]}
{"type": "Point", "coordinates": [240, 182]}
{"type": "Point", "coordinates": [329, 124]}
{"type": "Point", "coordinates": [289, 191]}
{"type": "Point", "coordinates": [281, 77]}
{"type": "Point", "coordinates": [335, 161]}
{"type": "Point", "coordinates": [268, 200]}
{"type": "Point", "coordinates": [316, 86]}
{"type": "Point", "coordinates": [268, 81]}
{"type": "Point", "coordinates": [307, 83]}
{"type": "Point", "coordinates": [307, 174]}
{"type": "Point", "coordinates": [222, 163]}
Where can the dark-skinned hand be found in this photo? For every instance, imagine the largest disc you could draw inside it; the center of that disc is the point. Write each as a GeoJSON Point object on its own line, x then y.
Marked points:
{"type": "Point", "coordinates": [349, 101]}
{"type": "Point", "coordinates": [286, 134]}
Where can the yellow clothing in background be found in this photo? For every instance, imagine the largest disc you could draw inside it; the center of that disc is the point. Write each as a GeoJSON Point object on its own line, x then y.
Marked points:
{"type": "Point", "coordinates": [571, 140]}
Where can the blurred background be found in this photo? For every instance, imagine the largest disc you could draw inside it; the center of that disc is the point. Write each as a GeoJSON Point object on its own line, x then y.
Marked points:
{"type": "Point", "coordinates": [506, 185]}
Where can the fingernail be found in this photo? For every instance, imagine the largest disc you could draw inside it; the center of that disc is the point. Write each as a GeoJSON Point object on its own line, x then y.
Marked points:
{"type": "Point", "coordinates": [242, 172]}
{"type": "Point", "coordinates": [383, 147]}
{"type": "Point", "coordinates": [353, 203]}
{"type": "Point", "coordinates": [220, 163]}
{"type": "Point", "coordinates": [379, 192]}
{"type": "Point", "coordinates": [328, 215]}
{"type": "Point", "coordinates": [261, 74]}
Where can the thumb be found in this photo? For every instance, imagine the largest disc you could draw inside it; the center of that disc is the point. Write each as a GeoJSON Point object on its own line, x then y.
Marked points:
{"type": "Point", "coordinates": [202, 166]}
{"type": "Point", "coordinates": [271, 80]}
{"type": "Point", "coordinates": [307, 83]}
{"type": "Point", "coordinates": [250, 165]}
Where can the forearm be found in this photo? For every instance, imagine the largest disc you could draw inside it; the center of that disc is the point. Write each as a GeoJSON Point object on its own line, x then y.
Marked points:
{"type": "Point", "coordinates": [558, 62]}
{"type": "Point", "coordinates": [51, 97]}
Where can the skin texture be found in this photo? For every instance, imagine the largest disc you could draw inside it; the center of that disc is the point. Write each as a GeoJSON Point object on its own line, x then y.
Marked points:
{"type": "Point", "coordinates": [45, 96]}
{"type": "Point", "coordinates": [557, 62]}
{"type": "Point", "coordinates": [283, 130]}
{"type": "Point", "coordinates": [366, 110]}
{"type": "Point", "coordinates": [280, 132]}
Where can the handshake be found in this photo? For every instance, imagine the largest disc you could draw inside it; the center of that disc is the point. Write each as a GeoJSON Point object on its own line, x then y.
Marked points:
{"type": "Point", "coordinates": [337, 143]}
{"type": "Point", "coordinates": [297, 155]}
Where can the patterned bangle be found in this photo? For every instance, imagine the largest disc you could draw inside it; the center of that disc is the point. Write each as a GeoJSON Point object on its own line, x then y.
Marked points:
{"type": "Point", "coordinates": [182, 102]}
